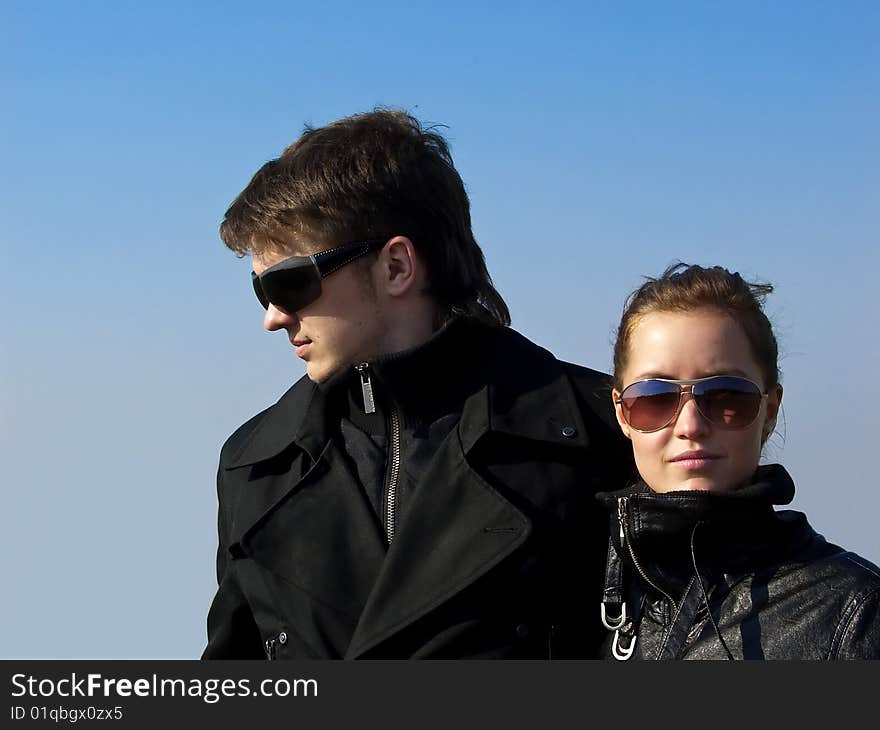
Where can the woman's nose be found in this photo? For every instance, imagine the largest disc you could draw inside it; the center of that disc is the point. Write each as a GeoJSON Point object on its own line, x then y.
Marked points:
{"type": "Point", "coordinates": [690, 422]}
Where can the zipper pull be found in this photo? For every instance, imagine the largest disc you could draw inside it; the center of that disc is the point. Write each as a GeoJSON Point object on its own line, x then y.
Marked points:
{"type": "Point", "coordinates": [366, 388]}
{"type": "Point", "coordinates": [270, 648]}
{"type": "Point", "coordinates": [621, 518]}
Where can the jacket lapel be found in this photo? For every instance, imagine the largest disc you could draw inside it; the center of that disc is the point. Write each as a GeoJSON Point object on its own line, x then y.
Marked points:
{"type": "Point", "coordinates": [457, 528]}
{"type": "Point", "coordinates": [300, 514]}
{"type": "Point", "coordinates": [321, 536]}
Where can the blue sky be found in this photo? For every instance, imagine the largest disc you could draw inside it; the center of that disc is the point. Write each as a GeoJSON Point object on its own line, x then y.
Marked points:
{"type": "Point", "coordinates": [599, 142]}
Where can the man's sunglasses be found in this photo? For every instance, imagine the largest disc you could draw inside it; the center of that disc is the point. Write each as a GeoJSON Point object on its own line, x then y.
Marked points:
{"type": "Point", "coordinates": [726, 401]}
{"type": "Point", "coordinates": [296, 282]}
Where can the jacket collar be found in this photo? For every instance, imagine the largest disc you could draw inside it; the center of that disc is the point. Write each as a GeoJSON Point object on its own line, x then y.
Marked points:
{"type": "Point", "coordinates": [298, 417]}
{"type": "Point", "coordinates": [729, 532]}
{"type": "Point", "coordinates": [526, 395]}
{"type": "Point", "coordinates": [771, 485]}
{"type": "Point", "coordinates": [517, 389]}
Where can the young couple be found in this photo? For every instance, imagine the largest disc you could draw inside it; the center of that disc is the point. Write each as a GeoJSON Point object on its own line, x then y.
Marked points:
{"type": "Point", "coordinates": [438, 486]}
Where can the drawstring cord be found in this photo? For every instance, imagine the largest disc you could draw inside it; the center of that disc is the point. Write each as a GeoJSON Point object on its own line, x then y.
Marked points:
{"type": "Point", "coordinates": [705, 595]}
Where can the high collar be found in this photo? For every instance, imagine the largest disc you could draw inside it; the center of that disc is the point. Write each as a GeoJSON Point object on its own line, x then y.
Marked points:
{"type": "Point", "coordinates": [728, 532]}
{"type": "Point", "coordinates": [420, 382]}
{"type": "Point", "coordinates": [519, 389]}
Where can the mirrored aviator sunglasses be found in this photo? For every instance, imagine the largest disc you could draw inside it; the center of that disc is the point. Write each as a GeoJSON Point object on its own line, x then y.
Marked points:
{"type": "Point", "coordinates": [295, 282]}
{"type": "Point", "coordinates": [726, 401]}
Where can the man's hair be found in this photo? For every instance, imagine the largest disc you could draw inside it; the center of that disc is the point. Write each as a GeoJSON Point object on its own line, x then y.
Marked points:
{"type": "Point", "coordinates": [374, 175]}
{"type": "Point", "coordinates": [684, 288]}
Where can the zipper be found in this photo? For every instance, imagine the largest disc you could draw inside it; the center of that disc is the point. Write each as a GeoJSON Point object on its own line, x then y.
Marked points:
{"type": "Point", "coordinates": [624, 535]}
{"type": "Point", "coordinates": [366, 387]}
{"type": "Point", "coordinates": [393, 474]}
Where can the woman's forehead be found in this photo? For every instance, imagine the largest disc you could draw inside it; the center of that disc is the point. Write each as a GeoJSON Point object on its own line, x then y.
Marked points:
{"type": "Point", "coordinates": [693, 344]}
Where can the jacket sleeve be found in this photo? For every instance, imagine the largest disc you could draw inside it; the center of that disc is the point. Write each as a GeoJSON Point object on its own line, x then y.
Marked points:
{"type": "Point", "coordinates": [232, 631]}
{"type": "Point", "coordinates": [858, 636]}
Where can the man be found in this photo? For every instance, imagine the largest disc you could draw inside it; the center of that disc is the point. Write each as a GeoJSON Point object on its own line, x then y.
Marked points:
{"type": "Point", "coordinates": [427, 490]}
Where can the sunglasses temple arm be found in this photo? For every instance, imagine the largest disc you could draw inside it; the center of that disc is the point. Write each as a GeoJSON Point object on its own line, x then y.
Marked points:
{"type": "Point", "coordinates": [329, 261]}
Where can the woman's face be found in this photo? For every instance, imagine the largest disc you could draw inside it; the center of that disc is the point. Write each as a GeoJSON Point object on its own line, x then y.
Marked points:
{"type": "Point", "coordinates": [691, 452]}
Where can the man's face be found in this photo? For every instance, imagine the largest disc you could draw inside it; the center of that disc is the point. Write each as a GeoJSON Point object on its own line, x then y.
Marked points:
{"type": "Point", "coordinates": [343, 327]}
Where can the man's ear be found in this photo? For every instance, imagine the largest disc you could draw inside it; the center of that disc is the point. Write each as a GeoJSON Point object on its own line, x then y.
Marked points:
{"type": "Point", "coordinates": [399, 266]}
{"type": "Point", "coordinates": [774, 401]}
{"type": "Point", "coordinates": [618, 411]}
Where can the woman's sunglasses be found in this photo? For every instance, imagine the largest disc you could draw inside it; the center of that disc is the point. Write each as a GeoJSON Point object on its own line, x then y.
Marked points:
{"type": "Point", "coordinates": [726, 401]}
{"type": "Point", "coordinates": [296, 282]}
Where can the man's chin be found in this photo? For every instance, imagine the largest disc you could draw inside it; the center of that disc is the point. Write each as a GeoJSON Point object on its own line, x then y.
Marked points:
{"type": "Point", "coordinates": [316, 377]}
{"type": "Point", "coordinates": [318, 373]}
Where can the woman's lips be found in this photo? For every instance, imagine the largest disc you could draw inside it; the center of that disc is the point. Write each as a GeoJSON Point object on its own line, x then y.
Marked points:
{"type": "Point", "coordinates": [694, 460]}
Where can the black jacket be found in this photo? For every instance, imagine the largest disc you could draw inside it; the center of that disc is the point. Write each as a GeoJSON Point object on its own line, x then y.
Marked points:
{"type": "Point", "coordinates": [724, 576]}
{"type": "Point", "coordinates": [499, 551]}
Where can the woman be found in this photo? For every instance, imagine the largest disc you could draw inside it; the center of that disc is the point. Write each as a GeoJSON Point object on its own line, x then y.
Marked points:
{"type": "Point", "coordinates": [700, 566]}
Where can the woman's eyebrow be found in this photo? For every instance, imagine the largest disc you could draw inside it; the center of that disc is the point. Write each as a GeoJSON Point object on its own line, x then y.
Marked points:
{"type": "Point", "coordinates": [663, 375]}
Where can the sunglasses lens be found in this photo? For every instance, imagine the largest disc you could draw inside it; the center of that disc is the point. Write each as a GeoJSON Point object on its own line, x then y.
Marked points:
{"type": "Point", "coordinates": [728, 402]}
{"type": "Point", "coordinates": [650, 404]}
{"type": "Point", "coordinates": [290, 286]}
{"type": "Point", "coordinates": [258, 290]}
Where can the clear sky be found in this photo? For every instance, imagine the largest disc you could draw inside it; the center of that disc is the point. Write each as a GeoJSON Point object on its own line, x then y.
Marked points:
{"type": "Point", "coordinates": [599, 141]}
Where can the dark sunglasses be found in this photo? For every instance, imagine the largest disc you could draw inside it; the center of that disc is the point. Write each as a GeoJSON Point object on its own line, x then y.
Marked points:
{"type": "Point", "coordinates": [296, 282]}
{"type": "Point", "coordinates": [726, 401]}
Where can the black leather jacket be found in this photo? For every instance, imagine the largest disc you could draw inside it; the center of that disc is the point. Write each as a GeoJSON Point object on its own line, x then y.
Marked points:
{"type": "Point", "coordinates": [724, 576]}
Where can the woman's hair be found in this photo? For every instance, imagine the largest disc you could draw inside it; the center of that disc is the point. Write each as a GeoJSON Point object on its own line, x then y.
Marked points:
{"type": "Point", "coordinates": [689, 288]}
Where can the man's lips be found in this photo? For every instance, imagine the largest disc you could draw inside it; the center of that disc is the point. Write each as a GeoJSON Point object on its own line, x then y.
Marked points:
{"type": "Point", "coordinates": [301, 346]}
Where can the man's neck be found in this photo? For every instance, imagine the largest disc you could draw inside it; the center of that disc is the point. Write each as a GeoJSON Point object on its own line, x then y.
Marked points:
{"type": "Point", "coordinates": [411, 326]}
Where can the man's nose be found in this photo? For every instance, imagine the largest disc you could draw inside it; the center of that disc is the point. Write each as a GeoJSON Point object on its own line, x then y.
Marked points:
{"type": "Point", "coordinates": [276, 319]}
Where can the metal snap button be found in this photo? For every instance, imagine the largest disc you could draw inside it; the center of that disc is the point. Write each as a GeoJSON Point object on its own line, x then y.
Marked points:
{"type": "Point", "coordinates": [569, 432]}
{"type": "Point", "coordinates": [282, 637]}
{"type": "Point", "coordinates": [522, 631]}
